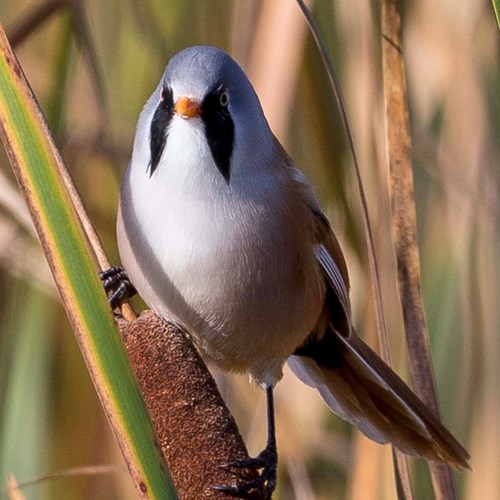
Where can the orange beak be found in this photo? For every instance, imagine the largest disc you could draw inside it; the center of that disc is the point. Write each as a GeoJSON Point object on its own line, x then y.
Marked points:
{"type": "Point", "coordinates": [187, 108]}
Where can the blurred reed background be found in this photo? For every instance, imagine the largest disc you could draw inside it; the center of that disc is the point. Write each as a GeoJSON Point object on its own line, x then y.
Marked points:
{"type": "Point", "coordinates": [93, 64]}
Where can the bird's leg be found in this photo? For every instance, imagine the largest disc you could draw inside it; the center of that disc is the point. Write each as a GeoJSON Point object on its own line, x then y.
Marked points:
{"type": "Point", "coordinates": [117, 285]}
{"type": "Point", "coordinates": [266, 460]}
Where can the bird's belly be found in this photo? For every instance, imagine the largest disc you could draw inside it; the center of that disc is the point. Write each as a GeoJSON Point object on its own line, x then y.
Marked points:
{"type": "Point", "coordinates": [248, 297]}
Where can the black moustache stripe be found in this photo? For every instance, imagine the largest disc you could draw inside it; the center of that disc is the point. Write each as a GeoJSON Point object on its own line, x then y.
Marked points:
{"type": "Point", "coordinates": [159, 128]}
{"type": "Point", "coordinates": [219, 130]}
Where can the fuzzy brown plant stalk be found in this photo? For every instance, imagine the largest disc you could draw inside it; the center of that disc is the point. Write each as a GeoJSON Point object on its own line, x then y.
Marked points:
{"type": "Point", "coordinates": [195, 430]}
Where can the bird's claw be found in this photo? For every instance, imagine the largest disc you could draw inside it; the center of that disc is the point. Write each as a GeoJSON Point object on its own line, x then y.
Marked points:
{"type": "Point", "coordinates": [117, 285]}
{"type": "Point", "coordinates": [266, 462]}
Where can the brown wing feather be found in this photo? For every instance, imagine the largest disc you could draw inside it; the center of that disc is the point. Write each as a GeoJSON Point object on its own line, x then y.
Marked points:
{"type": "Point", "coordinates": [352, 378]}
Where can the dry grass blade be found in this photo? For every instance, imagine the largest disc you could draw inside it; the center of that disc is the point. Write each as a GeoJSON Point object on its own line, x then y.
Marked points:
{"type": "Point", "coordinates": [400, 462]}
{"type": "Point", "coordinates": [13, 487]}
{"type": "Point", "coordinates": [404, 227]}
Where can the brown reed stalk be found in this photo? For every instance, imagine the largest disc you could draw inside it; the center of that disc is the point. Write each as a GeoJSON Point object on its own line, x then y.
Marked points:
{"type": "Point", "coordinates": [404, 227]}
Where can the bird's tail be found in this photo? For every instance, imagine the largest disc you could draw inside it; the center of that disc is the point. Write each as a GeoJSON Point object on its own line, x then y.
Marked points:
{"type": "Point", "coordinates": [358, 386]}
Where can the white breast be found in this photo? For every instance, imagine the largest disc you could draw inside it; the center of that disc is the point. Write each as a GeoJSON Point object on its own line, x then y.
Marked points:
{"type": "Point", "coordinates": [229, 262]}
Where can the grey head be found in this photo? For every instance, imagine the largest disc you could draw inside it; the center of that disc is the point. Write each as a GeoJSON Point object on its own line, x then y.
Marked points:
{"type": "Point", "coordinates": [197, 70]}
{"type": "Point", "coordinates": [204, 82]}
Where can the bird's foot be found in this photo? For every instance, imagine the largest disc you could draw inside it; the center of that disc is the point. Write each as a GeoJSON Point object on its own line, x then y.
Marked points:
{"type": "Point", "coordinates": [117, 285]}
{"type": "Point", "coordinates": [266, 462]}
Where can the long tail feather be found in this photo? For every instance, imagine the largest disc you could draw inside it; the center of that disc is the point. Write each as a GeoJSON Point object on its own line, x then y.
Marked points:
{"type": "Point", "coordinates": [362, 389]}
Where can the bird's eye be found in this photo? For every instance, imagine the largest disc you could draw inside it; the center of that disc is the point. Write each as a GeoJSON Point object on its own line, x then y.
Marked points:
{"type": "Point", "coordinates": [224, 98]}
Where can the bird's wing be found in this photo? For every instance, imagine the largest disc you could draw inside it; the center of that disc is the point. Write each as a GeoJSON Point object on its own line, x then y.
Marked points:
{"type": "Point", "coordinates": [352, 378]}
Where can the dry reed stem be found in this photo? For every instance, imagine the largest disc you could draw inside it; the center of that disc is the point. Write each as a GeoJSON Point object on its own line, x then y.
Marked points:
{"type": "Point", "coordinates": [404, 227]}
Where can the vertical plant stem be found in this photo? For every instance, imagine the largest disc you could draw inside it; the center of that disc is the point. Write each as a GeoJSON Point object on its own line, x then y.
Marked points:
{"type": "Point", "coordinates": [404, 227]}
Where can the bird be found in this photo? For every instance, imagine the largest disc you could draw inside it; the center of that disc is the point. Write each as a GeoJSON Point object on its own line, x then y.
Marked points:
{"type": "Point", "coordinates": [221, 234]}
